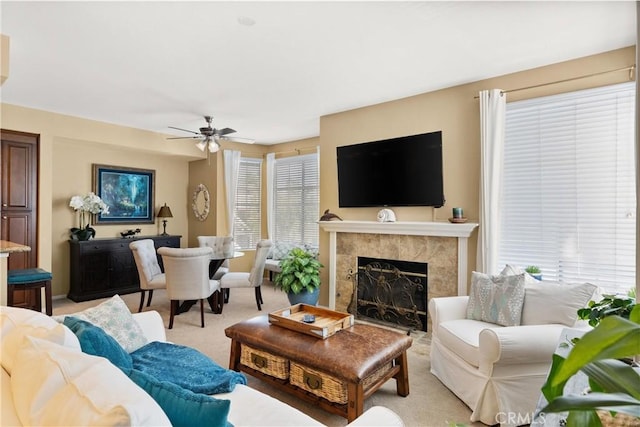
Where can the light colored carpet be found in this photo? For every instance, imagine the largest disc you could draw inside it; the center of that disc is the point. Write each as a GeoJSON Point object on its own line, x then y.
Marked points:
{"type": "Point", "coordinates": [429, 403]}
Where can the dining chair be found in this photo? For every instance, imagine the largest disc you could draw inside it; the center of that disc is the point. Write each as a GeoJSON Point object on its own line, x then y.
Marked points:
{"type": "Point", "coordinates": [149, 271]}
{"type": "Point", "coordinates": [252, 279]}
{"type": "Point", "coordinates": [222, 249]}
{"type": "Point", "coordinates": [187, 271]}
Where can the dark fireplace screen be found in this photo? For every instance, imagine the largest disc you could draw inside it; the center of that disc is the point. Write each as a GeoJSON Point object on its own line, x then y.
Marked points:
{"type": "Point", "coordinates": [391, 292]}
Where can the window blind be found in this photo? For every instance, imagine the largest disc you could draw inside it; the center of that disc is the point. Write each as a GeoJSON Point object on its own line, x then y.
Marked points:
{"type": "Point", "coordinates": [296, 199]}
{"type": "Point", "coordinates": [568, 198]}
{"type": "Point", "coordinates": [247, 213]}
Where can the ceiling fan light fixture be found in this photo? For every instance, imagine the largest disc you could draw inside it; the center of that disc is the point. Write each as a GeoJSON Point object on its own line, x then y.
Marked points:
{"type": "Point", "coordinates": [201, 145]}
{"type": "Point", "coordinates": [213, 146]}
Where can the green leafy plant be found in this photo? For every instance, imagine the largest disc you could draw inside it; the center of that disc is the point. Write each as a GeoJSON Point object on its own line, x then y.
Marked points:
{"type": "Point", "coordinates": [609, 305]}
{"type": "Point", "coordinates": [533, 269]}
{"type": "Point", "coordinates": [300, 272]}
{"type": "Point", "coordinates": [614, 384]}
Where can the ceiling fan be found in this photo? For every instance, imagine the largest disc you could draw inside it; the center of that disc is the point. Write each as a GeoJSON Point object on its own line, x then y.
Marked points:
{"type": "Point", "coordinates": [210, 137]}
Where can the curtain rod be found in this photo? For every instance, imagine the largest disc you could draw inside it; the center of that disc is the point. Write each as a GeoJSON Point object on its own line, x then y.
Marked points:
{"type": "Point", "coordinates": [298, 151]}
{"type": "Point", "coordinates": [631, 69]}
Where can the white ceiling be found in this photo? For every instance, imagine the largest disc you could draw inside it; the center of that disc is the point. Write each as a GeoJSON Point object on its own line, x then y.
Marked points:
{"type": "Point", "coordinates": [150, 65]}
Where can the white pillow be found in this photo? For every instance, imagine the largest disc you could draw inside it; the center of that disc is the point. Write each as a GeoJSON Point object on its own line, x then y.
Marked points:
{"type": "Point", "coordinates": [114, 317]}
{"type": "Point", "coordinates": [16, 323]}
{"type": "Point", "coordinates": [55, 385]}
{"type": "Point", "coordinates": [12, 341]}
{"type": "Point", "coordinates": [551, 302]}
{"type": "Point", "coordinates": [496, 299]}
{"type": "Point", "coordinates": [509, 270]}
{"type": "Point", "coordinates": [10, 317]}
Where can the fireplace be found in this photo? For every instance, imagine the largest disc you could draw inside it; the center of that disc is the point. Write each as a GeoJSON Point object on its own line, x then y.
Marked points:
{"type": "Point", "coordinates": [442, 245]}
{"type": "Point", "coordinates": [391, 292]}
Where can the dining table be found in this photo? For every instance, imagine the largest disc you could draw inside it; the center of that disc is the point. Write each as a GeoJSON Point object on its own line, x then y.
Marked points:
{"type": "Point", "coordinates": [216, 299]}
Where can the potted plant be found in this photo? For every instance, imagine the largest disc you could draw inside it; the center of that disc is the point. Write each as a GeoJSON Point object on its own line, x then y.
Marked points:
{"type": "Point", "coordinates": [609, 305]}
{"type": "Point", "coordinates": [614, 385]}
{"type": "Point", "coordinates": [534, 271]}
{"type": "Point", "coordinates": [86, 206]}
{"type": "Point", "coordinates": [300, 277]}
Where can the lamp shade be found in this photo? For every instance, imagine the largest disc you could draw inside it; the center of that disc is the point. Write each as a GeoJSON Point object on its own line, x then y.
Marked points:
{"type": "Point", "coordinates": [165, 212]}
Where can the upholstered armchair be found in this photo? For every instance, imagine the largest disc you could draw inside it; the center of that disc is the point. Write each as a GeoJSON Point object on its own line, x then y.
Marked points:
{"type": "Point", "coordinates": [222, 248]}
{"type": "Point", "coordinates": [149, 272]}
{"type": "Point", "coordinates": [187, 272]}
{"type": "Point", "coordinates": [252, 279]}
{"type": "Point", "coordinates": [496, 370]}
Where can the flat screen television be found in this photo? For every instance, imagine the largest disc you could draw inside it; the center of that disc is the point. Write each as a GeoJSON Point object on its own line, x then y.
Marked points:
{"type": "Point", "coordinates": [405, 171]}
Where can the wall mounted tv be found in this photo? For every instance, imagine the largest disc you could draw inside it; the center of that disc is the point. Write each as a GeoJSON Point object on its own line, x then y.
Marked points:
{"type": "Point", "coordinates": [405, 171]}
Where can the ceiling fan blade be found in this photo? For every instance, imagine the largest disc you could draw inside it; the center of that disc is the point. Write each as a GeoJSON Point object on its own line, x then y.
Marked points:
{"type": "Point", "coordinates": [225, 131]}
{"type": "Point", "coordinates": [184, 137]}
{"type": "Point", "coordinates": [184, 130]}
{"type": "Point", "coordinates": [238, 139]}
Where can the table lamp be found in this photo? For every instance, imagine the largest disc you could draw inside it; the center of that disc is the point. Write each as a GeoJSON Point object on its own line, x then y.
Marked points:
{"type": "Point", "coordinates": [165, 212]}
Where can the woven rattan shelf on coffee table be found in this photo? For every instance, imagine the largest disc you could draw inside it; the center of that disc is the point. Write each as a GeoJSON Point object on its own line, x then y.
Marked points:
{"type": "Point", "coordinates": [337, 373]}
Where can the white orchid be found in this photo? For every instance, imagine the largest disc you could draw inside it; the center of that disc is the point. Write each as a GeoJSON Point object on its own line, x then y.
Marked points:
{"type": "Point", "coordinates": [89, 204]}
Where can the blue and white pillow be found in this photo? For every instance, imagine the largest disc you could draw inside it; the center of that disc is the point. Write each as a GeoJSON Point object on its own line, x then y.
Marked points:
{"type": "Point", "coordinates": [496, 299]}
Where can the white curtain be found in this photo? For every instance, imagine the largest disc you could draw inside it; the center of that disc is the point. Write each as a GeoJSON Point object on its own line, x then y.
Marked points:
{"type": "Point", "coordinates": [637, 152]}
{"type": "Point", "coordinates": [231, 171]}
{"type": "Point", "coordinates": [492, 127]}
{"type": "Point", "coordinates": [271, 164]}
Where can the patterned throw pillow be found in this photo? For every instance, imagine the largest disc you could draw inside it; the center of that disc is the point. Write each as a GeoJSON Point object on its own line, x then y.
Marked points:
{"type": "Point", "coordinates": [496, 299]}
{"type": "Point", "coordinates": [312, 249]}
{"type": "Point", "coordinates": [279, 250]}
{"type": "Point", "coordinates": [114, 317]}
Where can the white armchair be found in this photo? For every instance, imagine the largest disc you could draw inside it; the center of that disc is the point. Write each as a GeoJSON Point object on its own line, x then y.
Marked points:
{"type": "Point", "coordinates": [497, 371]}
{"type": "Point", "coordinates": [149, 272]}
{"type": "Point", "coordinates": [252, 279]}
{"type": "Point", "coordinates": [222, 247]}
{"type": "Point", "coordinates": [187, 273]}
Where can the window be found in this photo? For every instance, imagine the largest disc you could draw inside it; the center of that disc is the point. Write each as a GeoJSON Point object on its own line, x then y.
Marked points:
{"type": "Point", "coordinates": [296, 199]}
{"type": "Point", "coordinates": [247, 212]}
{"type": "Point", "coordinates": [568, 198]}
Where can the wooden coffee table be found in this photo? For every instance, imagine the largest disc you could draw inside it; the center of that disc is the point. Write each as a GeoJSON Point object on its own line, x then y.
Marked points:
{"type": "Point", "coordinates": [337, 373]}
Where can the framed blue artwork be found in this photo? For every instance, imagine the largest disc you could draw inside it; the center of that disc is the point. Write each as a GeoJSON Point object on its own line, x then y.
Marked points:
{"type": "Point", "coordinates": [129, 193]}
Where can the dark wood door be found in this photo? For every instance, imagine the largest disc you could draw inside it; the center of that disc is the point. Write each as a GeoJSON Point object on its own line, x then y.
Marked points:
{"type": "Point", "coordinates": [19, 200]}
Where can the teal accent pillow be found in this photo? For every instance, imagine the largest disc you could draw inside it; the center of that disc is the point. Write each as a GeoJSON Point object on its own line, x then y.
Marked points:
{"type": "Point", "coordinates": [95, 341]}
{"type": "Point", "coordinates": [184, 407]}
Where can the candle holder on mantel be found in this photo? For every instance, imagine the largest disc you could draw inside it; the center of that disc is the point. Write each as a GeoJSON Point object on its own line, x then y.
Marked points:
{"type": "Point", "coordinates": [458, 216]}
{"type": "Point", "coordinates": [165, 212]}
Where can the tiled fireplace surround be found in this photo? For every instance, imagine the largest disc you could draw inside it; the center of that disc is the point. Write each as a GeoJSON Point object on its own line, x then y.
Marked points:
{"type": "Point", "coordinates": [440, 244]}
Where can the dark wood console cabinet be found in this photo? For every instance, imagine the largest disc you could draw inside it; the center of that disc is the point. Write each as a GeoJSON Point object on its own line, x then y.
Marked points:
{"type": "Point", "coordinates": [104, 267]}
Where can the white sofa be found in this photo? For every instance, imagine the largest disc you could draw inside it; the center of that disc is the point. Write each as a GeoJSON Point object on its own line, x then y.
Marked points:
{"type": "Point", "coordinates": [497, 371]}
{"type": "Point", "coordinates": [248, 407]}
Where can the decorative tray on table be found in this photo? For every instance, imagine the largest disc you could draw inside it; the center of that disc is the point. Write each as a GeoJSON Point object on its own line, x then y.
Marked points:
{"type": "Point", "coordinates": [311, 320]}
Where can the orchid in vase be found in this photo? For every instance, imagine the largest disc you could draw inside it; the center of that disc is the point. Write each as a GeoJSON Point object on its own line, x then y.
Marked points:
{"type": "Point", "coordinates": [86, 206]}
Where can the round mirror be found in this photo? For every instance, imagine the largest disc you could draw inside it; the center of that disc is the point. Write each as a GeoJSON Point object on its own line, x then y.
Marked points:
{"type": "Point", "coordinates": [201, 203]}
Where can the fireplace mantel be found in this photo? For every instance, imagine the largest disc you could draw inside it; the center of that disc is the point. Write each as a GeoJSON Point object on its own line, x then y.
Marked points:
{"type": "Point", "coordinates": [438, 229]}
{"type": "Point", "coordinates": [407, 228]}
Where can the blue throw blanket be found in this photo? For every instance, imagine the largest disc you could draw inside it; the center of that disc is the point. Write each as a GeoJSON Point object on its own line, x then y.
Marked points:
{"type": "Point", "coordinates": [186, 367]}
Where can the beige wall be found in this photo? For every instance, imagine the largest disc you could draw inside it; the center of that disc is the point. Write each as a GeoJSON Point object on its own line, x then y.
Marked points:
{"type": "Point", "coordinates": [70, 145]}
{"type": "Point", "coordinates": [211, 173]}
{"type": "Point", "coordinates": [68, 148]}
{"type": "Point", "coordinates": [456, 113]}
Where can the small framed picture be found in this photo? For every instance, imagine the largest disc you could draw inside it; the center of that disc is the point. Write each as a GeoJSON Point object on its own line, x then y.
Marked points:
{"type": "Point", "coordinates": [129, 193]}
